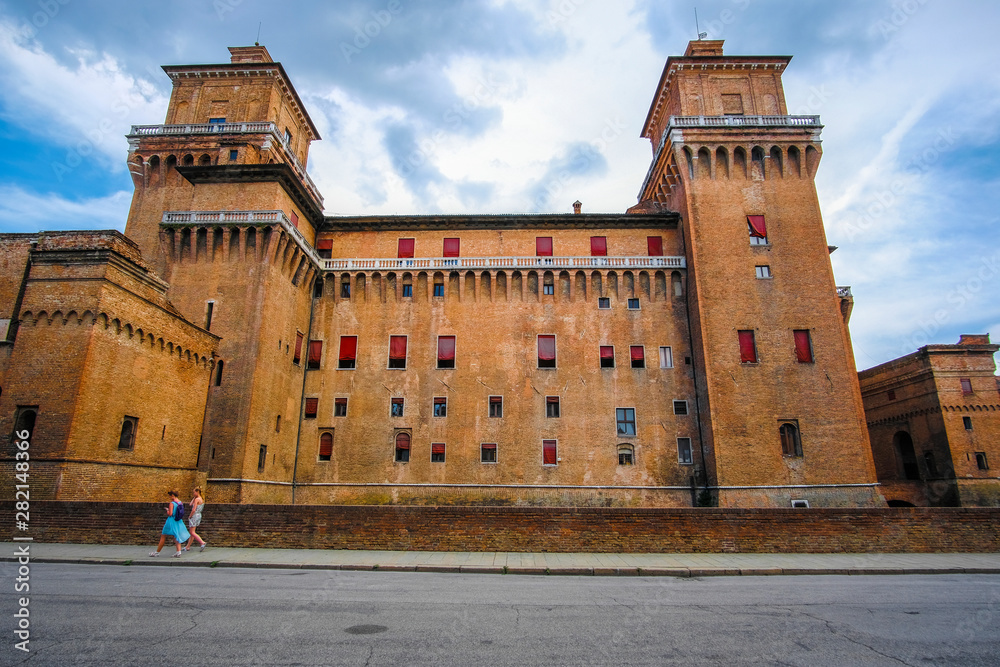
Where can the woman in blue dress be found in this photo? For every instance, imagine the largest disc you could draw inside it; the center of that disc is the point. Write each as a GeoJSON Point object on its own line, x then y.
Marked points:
{"type": "Point", "coordinates": [173, 526]}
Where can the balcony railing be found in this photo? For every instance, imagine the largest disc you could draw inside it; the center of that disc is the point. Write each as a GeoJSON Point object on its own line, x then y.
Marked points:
{"type": "Point", "coordinates": [497, 263]}
{"type": "Point", "coordinates": [231, 128]}
{"type": "Point", "coordinates": [744, 121]}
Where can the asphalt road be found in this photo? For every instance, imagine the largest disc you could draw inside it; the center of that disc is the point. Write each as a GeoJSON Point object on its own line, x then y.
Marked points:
{"type": "Point", "coordinates": [115, 615]}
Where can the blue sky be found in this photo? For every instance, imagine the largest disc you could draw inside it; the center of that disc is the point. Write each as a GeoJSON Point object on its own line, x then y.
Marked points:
{"type": "Point", "coordinates": [527, 105]}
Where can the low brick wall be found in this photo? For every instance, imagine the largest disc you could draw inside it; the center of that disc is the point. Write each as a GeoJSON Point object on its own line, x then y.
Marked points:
{"type": "Point", "coordinates": [550, 529]}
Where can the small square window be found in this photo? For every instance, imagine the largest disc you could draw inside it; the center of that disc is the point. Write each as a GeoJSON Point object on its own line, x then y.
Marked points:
{"type": "Point", "coordinates": [680, 407]}
{"type": "Point", "coordinates": [438, 289]}
{"type": "Point", "coordinates": [633, 304]}
{"type": "Point", "coordinates": [549, 457]}
{"type": "Point", "coordinates": [340, 407]}
{"type": "Point", "coordinates": [626, 455]}
{"type": "Point", "coordinates": [396, 407]}
{"type": "Point", "coordinates": [437, 452]}
{"type": "Point", "coordinates": [440, 406]}
{"type": "Point", "coordinates": [637, 353]}
{"type": "Point", "coordinates": [548, 288]}
{"type": "Point", "coordinates": [312, 407]}
{"type": "Point", "coordinates": [126, 439]}
{"type": "Point", "coordinates": [626, 420]}
{"type": "Point", "coordinates": [981, 461]}
{"type": "Point", "coordinates": [496, 406]}
{"type": "Point", "coordinates": [552, 407]}
{"type": "Point", "coordinates": [604, 303]}
{"type": "Point", "coordinates": [684, 451]}
{"type": "Point", "coordinates": [234, 155]}
{"type": "Point", "coordinates": [326, 446]}
{"type": "Point", "coordinates": [607, 356]}
{"type": "Point", "coordinates": [488, 452]}
{"type": "Point", "coordinates": [408, 290]}
{"type": "Point", "coordinates": [666, 357]}
{"type": "Point", "coordinates": [966, 385]}
{"type": "Point", "coordinates": [967, 422]}
{"type": "Point", "coordinates": [763, 271]}
{"type": "Point", "coordinates": [261, 458]}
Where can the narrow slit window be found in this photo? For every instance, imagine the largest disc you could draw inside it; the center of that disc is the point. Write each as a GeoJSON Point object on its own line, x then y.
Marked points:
{"type": "Point", "coordinates": [981, 462]}
{"type": "Point", "coordinates": [261, 458]}
{"type": "Point", "coordinates": [496, 407]}
{"type": "Point", "coordinates": [218, 373]}
{"type": "Point", "coordinates": [348, 352]}
{"type": "Point", "coordinates": [549, 453]}
{"type": "Point", "coordinates": [546, 351]}
{"type": "Point", "coordinates": [209, 308]}
{"type": "Point", "coordinates": [637, 353]}
{"type": "Point", "coordinates": [297, 357]}
{"type": "Point", "coordinates": [440, 406]}
{"type": "Point", "coordinates": [967, 423]}
{"type": "Point", "coordinates": [607, 356]}
{"type": "Point", "coordinates": [446, 352]}
{"type": "Point", "coordinates": [397, 351]}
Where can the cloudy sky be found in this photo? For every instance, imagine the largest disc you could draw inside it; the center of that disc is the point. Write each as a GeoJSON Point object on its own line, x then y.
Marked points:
{"type": "Point", "coordinates": [511, 106]}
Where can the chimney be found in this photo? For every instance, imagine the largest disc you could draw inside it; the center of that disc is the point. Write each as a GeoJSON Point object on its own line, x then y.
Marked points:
{"type": "Point", "coordinates": [974, 339]}
{"type": "Point", "coordinates": [577, 207]}
{"type": "Point", "coordinates": [704, 47]}
{"type": "Point", "coordinates": [249, 54]}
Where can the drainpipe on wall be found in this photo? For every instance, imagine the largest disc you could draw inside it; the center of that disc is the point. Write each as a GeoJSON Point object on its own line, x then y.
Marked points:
{"type": "Point", "coordinates": [302, 395]}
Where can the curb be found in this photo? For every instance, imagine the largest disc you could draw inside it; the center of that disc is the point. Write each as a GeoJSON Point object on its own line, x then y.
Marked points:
{"type": "Point", "coordinates": [494, 569]}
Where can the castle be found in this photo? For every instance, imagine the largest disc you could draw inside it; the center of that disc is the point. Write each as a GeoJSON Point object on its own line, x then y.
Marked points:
{"type": "Point", "coordinates": [693, 350]}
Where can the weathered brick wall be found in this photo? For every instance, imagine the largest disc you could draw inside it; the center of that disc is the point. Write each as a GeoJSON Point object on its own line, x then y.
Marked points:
{"type": "Point", "coordinates": [920, 530]}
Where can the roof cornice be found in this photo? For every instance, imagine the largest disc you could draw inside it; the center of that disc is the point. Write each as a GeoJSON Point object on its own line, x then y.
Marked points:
{"type": "Point", "coordinates": [667, 220]}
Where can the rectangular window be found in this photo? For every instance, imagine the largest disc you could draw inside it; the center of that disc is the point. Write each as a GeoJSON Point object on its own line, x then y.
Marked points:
{"type": "Point", "coordinates": [315, 353]}
{"type": "Point", "coordinates": [552, 407]}
{"type": "Point", "coordinates": [408, 290]}
{"type": "Point", "coordinates": [312, 407]}
{"type": "Point", "coordinates": [340, 407]}
{"type": "Point", "coordinates": [488, 452]}
{"type": "Point", "coordinates": [604, 303]}
{"type": "Point", "coordinates": [966, 385]}
{"type": "Point", "coordinates": [405, 248]}
{"type": "Point", "coordinates": [637, 353]}
{"type": "Point", "coordinates": [402, 446]}
{"type": "Point", "coordinates": [748, 347]}
{"type": "Point", "coordinates": [546, 351]}
{"type": "Point", "coordinates": [549, 452]}
{"type": "Point", "coordinates": [326, 446]}
{"type": "Point", "coordinates": [891, 394]}
{"type": "Point", "coordinates": [680, 407]}
{"type": "Point", "coordinates": [981, 461]}
{"type": "Point", "coordinates": [496, 406]}
{"type": "Point", "coordinates": [684, 451]}
{"type": "Point", "coordinates": [763, 271]}
{"type": "Point", "coordinates": [543, 246]}
{"type": "Point", "coordinates": [626, 421]}
{"type": "Point", "coordinates": [451, 247]}
{"type": "Point", "coordinates": [216, 121]}
{"type": "Point", "coordinates": [345, 288]}
{"type": "Point", "coordinates": [626, 455]}
{"type": "Point", "coordinates": [446, 352]}
{"type": "Point", "coordinates": [126, 439]}
{"type": "Point", "coordinates": [437, 452]}
{"type": "Point", "coordinates": [288, 136]}
{"type": "Point", "coordinates": [607, 356]}
{"type": "Point", "coordinates": [233, 155]}
{"type": "Point", "coordinates": [397, 351]}
{"type": "Point", "coordinates": [598, 246]}
{"type": "Point", "coordinates": [438, 288]}
{"type": "Point", "coordinates": [297, 357]}
{"type": "Point", "coordinates": [666, 357]}
{"type": "Point", "coordinates": [261, 458]}
{"type": "Point", "coordinates": [803, 346]}
{"type": "Point", "coordinates": [295, 220]}
{"type": "Point", "coordinates": [348, 352]}
{"type": "Point", "coordinates": [654, 244]}
{"type": "Point", "coordinates": [548, 288]}
{"type": "Point", "coordinates": [967, 423]}
{"type": "Point", "coordinates": [758, 229]}
{"type": "Point", "coordinates": [440, 406]}
{"type": "Point", "coordinates": [791, 442]}
{"type": "Point", "coordinates": [396, 407]}
{"type": "Point", "coordinates": [324, 248]}
{"type": "Point", "coordinates": [633, 304]}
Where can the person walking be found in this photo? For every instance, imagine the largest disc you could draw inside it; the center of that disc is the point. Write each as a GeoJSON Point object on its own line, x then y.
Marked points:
{"type": "Point", "coordinates": [197, 505]}
{"type": "Point", "coordinates": [173, 526]}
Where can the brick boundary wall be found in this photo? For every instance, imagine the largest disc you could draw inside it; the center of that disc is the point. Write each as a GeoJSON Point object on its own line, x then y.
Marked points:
{"type": "Point", "coordinates": [532, 529]}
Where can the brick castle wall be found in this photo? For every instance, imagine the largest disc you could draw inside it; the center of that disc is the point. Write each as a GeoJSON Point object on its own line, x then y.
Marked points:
{"type": "Point", "coordinates": [918, 530]}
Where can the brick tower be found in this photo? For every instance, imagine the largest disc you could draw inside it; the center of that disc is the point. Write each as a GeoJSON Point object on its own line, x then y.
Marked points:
{"type": "Point", "coordinates": [225, 212]}
{"type": "Point", "coordinates": [777, 381]}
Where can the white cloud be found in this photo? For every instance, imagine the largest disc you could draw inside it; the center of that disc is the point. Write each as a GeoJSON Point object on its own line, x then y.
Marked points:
{"type": "Point", "coordinates": [26, 212]}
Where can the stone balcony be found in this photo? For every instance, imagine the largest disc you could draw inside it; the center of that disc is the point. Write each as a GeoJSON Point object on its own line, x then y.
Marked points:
{"type": "Point", "coordinates": [743, 121]}
{"type": "Point", "coordinates": [208, 129]}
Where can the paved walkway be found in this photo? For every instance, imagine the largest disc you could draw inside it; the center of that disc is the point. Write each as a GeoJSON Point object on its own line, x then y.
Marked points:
{"type": "Point", "coordinates": [600, 564]}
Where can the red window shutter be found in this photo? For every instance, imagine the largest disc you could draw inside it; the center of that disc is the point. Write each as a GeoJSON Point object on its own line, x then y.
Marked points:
{"type": "Point", "coordinates": [295, 220]}
{"type": "Point", "coordinates": [326, 446]}
{"type": "Point", "coordinates": [451, 247]}
{"type": "Point", "coordinates": [549, 452]}
{"type": "Point", "coordinates": [637, 352]}
{"type": "Point", "coordinates": [312, 407]}
{"type": "Point", "coordinates": [405, 248]}
{"type": "Point", "coordinates": [446, 348]}
{"type": "Point", "coordinates": [547, 348]}
{"type": "Point", "coordinates": [298, 348]}
{"type": "Point", "coordinates": [325, 244]}
{"type": "Point", "coordinates": [757, 227]}
{"type": "Point", "coordinates": [598, 246]}
{"type": "Point", "coordinates": [340, 402]}
{"type": "Point", "coordinates": [348, 348]}
{"type": "Point", "coordinates": [315, 353]}
{"type": "Point", "coordinates": [655, 246]}
{"type": "Point", "coordinates": [607, 352]}
{"type": "Point", "coordinates": [748, 351]}
{"type": "Point", "coordinates": [543, 246]}
{"type": "Point", "coordinates": [397, 347]}
{"type": "Point", "coordinates": [803, 346]}
{"type": "Point", "coordinates": [437, 448]}
{"type": "Point", "coordinates": [403, 441]}
{"type": "Point", "coordinates": [966, 385]}
{"type": "Point", "coordinates": [489, 445]}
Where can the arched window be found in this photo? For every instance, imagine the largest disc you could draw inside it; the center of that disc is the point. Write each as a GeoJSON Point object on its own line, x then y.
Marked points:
{"type": "Point", "coordinates": [326, 446]}
{"type": "Point", "coordinates": [791, 445]}
{"type": "Point", "coordinates": [402, 447]}
{"type": "Point", "coordinates": [25, 421]}
{"type": "Point", "coordinates": [626, 455]}
{"type": "Point", "coordinates": [126, 440]}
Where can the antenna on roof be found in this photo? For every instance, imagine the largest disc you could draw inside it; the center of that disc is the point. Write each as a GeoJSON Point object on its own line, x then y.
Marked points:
{"type": "Point", "coordinates": [701, 35]}
{"type": "Point", "coordinates": [257, 43]}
